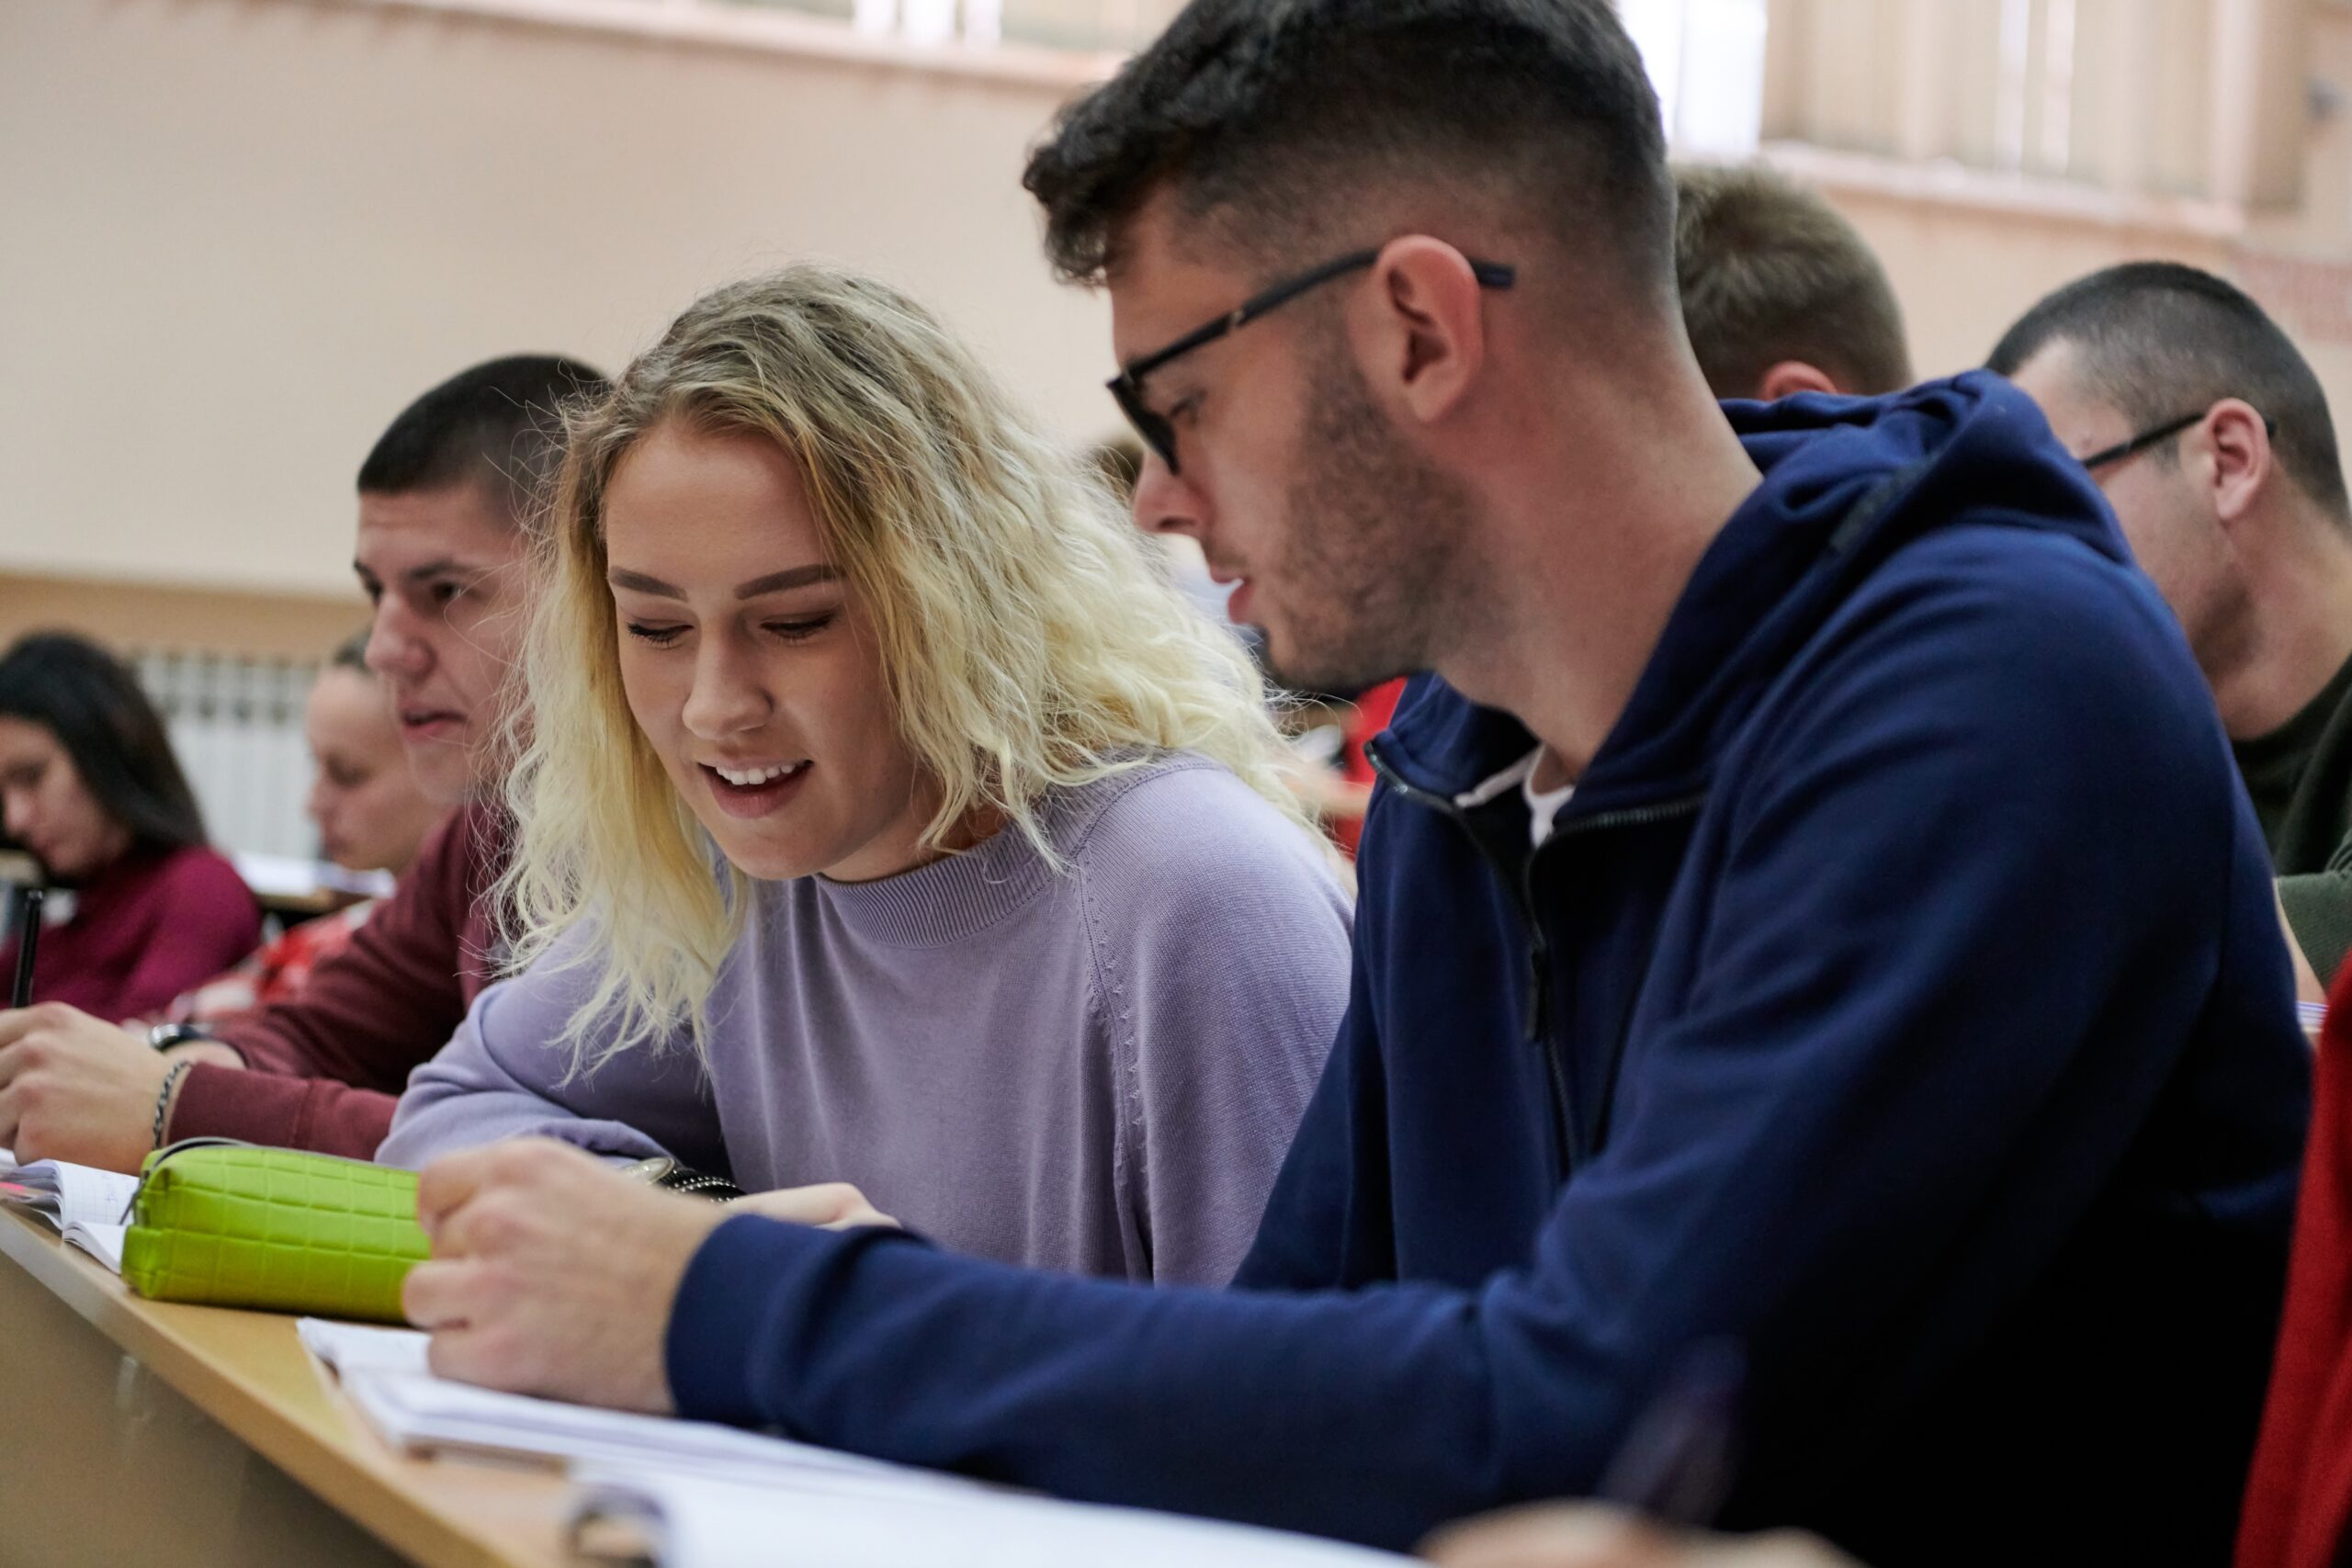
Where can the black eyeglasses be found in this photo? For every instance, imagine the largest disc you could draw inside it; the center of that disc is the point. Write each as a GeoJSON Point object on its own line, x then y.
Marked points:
{"type": "Point", "coordinates": [2157, 435]}
{"type": "Point", "coordinates": [2154, 436]}
{"type": "Point", "coordinates": [1126, 387]}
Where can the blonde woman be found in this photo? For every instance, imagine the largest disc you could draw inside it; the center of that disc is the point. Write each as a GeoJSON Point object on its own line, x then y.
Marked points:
{"type": "Point", "coordinates": [1013, 928]}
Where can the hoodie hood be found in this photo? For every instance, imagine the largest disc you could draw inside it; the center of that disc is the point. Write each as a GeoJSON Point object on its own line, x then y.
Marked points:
{"type": "Point", "coordinates": [1847, 481]}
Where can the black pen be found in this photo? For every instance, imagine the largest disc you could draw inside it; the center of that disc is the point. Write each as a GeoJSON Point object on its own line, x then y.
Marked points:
{"type": "Point", "coordinates": [27, 938]}
{"type": "Point", "coordinates": [1679, 1456]}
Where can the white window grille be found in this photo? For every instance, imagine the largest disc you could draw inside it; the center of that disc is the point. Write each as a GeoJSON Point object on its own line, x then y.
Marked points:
{"type": "Point", "coordinates": [236, 725]}
{"type": "Point", "coordinates": [1705, 58]}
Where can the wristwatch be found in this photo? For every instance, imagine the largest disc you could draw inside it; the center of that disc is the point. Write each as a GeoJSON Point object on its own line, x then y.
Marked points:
{"type": "Point", "coordinates": [163, 1036]}
{"type": "Point", "coordinates": [661, 1170]}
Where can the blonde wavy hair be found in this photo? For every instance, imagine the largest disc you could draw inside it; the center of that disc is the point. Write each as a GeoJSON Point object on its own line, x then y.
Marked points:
{"type": "Point", "coordinates": [1027, 642]}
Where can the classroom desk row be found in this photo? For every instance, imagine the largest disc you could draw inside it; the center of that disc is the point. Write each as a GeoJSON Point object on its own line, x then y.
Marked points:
{"type": "Point", "coordinates": [150, 1431]}
{"type": "Point", "coordinates": [146, 1431]}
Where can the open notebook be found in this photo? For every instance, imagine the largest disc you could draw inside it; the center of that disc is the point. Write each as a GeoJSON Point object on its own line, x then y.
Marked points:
{"type": "Point", "coordinates": [383, 1370]}
{"type": "Point", "coordinates": [90, 1207]}
{"type": "Point", "coordinates": [101, 1242]}
{"type": "Point", "coordinates": [682, 1520]}
{"type": "Point", "coordinates": [690, 1495]}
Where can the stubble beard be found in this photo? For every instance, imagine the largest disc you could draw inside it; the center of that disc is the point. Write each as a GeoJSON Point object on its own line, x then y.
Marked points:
{"type": "Point", "coordinates": [1373, 563]}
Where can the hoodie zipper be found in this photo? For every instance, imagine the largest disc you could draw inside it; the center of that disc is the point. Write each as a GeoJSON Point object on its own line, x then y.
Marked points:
{"type": "Point", "coordinates": [1600, 821]}
{"type": "Point", "coordinates": [1537, 1025]}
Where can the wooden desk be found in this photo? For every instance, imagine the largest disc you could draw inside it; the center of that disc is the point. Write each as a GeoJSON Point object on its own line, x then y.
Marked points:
{"type": "Point", "coordinates": [145, 1431]}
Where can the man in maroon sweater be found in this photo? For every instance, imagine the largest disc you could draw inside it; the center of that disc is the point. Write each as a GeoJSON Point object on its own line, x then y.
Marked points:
{"type": "Point", "coordinates": [441, 544]}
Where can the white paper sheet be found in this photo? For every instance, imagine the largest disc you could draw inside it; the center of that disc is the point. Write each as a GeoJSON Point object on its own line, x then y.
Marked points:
{"type": "Point", "coordinates": [423, 1414]}
{"type": "Point", "coordinates": [384, 1372]}
{"type": "Point", "coordinates": [699, 1521]}
{"type": "Point", "coordinates": [100, 1241]}
{"type": "Point", "coordinates": [747, 1500]}
{"type": "Point", "coordinates": [351, 1346]}
{"type": "Point", "coordinates": [67, 1192]}
{"type": "Point", "coordinates": [291, 877]}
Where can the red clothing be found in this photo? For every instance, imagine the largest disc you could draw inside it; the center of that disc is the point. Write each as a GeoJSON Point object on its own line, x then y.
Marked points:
{"type": "Point", "coordinates": [2299, 1499]}
{"type": "Point", "coordinates": [144, 929]}
{"type": "Point", "coordinates": [324, 1070]}
{"type": "Point", "coordinates": [280, 969]}
{"type": "Point", "coordinates": [1375, 708]}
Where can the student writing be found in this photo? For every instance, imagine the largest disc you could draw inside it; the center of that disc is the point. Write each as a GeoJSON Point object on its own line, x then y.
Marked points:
{"type": "Point", "coordinates": [89, 785]}
{"type": "Point", "coordinates": [444, 495]}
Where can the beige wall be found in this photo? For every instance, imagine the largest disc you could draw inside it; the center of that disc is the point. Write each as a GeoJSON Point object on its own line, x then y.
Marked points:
{"type": "Point", "coordinates": [1965, 269]}
{"type": "Point", "coordinates": [241, 233]}
{"type": "Point", "coordinates": [1969, 249]}
{"type": "Point", "coordinates": [140, 615]}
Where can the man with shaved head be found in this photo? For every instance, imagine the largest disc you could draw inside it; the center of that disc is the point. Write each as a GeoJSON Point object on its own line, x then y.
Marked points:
{"type": "Point", "coordinates": [2210, 437]}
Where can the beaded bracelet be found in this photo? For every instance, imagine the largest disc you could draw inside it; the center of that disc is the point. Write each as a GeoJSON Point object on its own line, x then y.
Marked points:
{"type": "Point", "coordinates": [163, 1100]}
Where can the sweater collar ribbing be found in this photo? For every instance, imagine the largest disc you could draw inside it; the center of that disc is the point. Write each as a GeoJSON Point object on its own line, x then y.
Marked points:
{"type": "Point", "coordinates": [965, 894]}
{"type": "Point", "coordinates": [947, 900]}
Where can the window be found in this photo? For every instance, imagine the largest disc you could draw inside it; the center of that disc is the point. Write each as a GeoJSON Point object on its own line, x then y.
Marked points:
{"type": "Point", "coordinates": [1706, 60]}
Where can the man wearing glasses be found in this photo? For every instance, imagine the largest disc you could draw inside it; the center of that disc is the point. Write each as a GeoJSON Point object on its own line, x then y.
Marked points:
{"type": "Point", "coordinates": [2210, 437]}
{"type": "Point", "coordinates": [1787, 1074]}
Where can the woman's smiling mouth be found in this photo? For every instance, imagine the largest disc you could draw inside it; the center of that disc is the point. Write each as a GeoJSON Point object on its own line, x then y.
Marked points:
{"type": "Point", "coordinates": [755, 790]}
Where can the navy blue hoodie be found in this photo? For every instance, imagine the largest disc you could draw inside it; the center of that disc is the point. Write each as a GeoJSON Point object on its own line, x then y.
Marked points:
{"type": "Point", "coordinates": [1900, 995]}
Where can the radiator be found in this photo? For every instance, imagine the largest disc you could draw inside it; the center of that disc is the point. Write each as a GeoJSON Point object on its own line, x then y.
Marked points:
{"type": "Point", "coordinates": [236, 723]}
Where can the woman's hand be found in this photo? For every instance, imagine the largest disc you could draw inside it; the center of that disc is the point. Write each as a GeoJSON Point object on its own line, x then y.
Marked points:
{"type": "Point", "coordinates": [1571, 1535]}
{"type": "Point", "coordinates": [832, 1206]}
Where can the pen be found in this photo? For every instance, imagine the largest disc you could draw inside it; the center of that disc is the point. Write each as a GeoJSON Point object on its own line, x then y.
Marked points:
{"type": "Point", "coordinates": [1679, 1457]}
{"type": "Point", "coordinates": [27, 938]}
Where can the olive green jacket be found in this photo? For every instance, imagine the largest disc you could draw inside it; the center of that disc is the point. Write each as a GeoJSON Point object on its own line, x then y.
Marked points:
{"type": "Point", "coordinates": [2299, 778]}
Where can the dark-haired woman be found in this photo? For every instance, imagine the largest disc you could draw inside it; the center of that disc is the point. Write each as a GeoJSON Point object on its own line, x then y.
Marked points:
{"type": "Point", "coordinates": [88, 784]}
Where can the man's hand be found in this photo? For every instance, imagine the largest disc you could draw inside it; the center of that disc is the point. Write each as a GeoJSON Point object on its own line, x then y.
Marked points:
{"type": "Point", "coordinates": [77, 1088]}
{"type": "Point", "coordinates": [1580, 1536]}
{"type": "Point", "coordinates": [834, 1206]}
{"type": "Point", "coordinates": [552, 1274]}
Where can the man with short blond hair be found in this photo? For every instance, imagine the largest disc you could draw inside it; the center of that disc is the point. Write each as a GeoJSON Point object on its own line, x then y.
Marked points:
{"type": "Point", "coordinates": [1781, 293]}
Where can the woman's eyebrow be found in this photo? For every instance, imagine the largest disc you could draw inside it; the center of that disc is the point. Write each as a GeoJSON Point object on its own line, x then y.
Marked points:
{"type": "Point", "coordinates": [773, 583]}
{"type": "Point", "coordinates": [776, 581]}
{"type": "Point", "coordinates": [637, 582]}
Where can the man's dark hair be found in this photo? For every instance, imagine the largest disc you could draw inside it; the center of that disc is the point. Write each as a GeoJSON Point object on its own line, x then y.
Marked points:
{"type": "Point", "coordinates": [2157, 340]}
{"type": "Point", "coordinates": [498, 425]}
{"type": "Point", "coordinates": [1770, 272]}
{"type": "Point", "coordinates": [1268, 121]}
{"type": "Point", "coordinates": [92, 705]}
{"type": "Point", "coordinates": [351, 653]}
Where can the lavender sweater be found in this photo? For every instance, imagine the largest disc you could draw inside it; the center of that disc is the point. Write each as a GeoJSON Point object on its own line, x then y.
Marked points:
{"type": "Point", "coordinates": [1098, 1070]}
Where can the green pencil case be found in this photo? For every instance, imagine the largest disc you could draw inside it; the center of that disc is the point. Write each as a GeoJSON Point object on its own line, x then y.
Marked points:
{"type": "Point", "coordinates": [225, 1224]}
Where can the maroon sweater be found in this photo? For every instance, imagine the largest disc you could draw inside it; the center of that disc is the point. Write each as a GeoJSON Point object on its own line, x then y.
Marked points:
{"type": "Point", "coordinates": [324, 1068]}
{"type": "Point", "coordinates": [152, 925]}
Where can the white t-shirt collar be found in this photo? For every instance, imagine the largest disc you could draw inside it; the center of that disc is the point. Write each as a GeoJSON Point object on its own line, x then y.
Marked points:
{"type": "Point", "coordinates": [1542, 808]}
